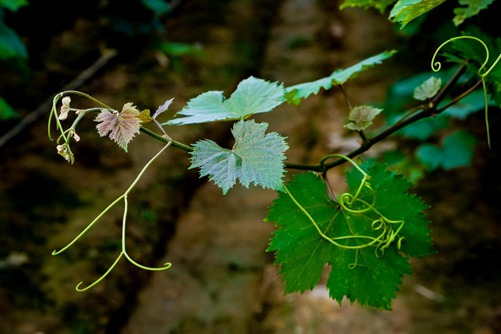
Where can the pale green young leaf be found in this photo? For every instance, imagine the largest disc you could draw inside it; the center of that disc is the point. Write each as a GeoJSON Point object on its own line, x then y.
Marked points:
{"type": "Point", "coordinates": [252, 96]}
{"type": "Point", "coordinates": [364, 275]}
{"type": "Point", "coordinates": [427, 89]}
{"type": "Point", "coordinates": [361, 117]}
{"type": "Point", "coordinates": [256, 158]}
{"type": "Point", "coordinates": [405, 11]}
{"type": "Point", "coordinates": [473, 7]}
{"type": "Point", "coordinates": [295, 94]}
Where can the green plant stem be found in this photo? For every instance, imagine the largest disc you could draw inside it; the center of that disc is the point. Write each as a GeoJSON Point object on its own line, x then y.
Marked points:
{"type": "Point", "coordinates": [58, 97]}
{"type": "Point", "coordinates": [103, 276]}
{"type": "Point", "coordinates": [93, 99]}
{"type": "Point", "coordinates": [56, 252]}
{"type": "Point", "coordinates": [167, 265]}
{"type": "Point", "coordinates": [174, 143]}
{"type": "Point", "coordinates": [118, 199]}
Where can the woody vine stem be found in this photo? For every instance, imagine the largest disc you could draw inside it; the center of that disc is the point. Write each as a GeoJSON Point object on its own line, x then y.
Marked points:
{"type": "Point", "coordinates": [425, 110]}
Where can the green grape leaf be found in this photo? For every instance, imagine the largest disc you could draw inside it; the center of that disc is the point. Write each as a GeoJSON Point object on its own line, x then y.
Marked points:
{"type": "Point", "coordinates": [364, 275]}
{"type": "Point", "coordinates": [427, 89]}
{"type": "Point", "coordinates": [473, 7]}
{"type": "Point", "coordinates": [252, 96]}
{"type": "Point", "coordinates": [361, 117]}
{"type": "Point", "coordinates": [295, 94]}
{"type": "Point", "coordinates": [405, 11]}
{"type": "Point", "coordinates": [456, 151]}
{"type": "Point", "coordinates": [381, 5]}
{"type": "Point", "coordinates": [255, 158]}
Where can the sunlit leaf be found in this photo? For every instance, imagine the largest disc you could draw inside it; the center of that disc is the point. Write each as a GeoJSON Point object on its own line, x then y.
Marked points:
{"type": "Point", "coordinates": [256, 158]}
{"type": "Point", "coordinates": [252, 96]}
{"type": "Point", "coordinates": [295, 94]}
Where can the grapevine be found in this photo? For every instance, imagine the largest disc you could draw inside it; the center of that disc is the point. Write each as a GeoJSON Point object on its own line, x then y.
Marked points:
{"type": "Point", "coordinates": [364, 233]}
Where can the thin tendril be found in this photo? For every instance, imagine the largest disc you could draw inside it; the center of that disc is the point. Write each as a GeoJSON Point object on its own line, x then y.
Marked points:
{"type": "Point", "coordinates": [167, 265]}
{"type": "Point", "coordinates": [102, 276]}
{"type": "Point", "coordinates": [381, 242]}
{"type": "Point", "coordinates": [56, 252]}
{"type": "Point", "coordinates": [436, 66]}
{"type": "Point", "coordinates": [123, 252]}
{"type": "Point", "coordinates": [320, 232]}
{"type": "Point", "coordinates": [53, 113]}
{"type": "Point", "coordinates": [55, 101]}
{"type": "Point", "coordinates": [486, 112]}
{"type": "Point", "coordinates": [486, 73]}
{"type": "Point", "coordinates": [145, 167]}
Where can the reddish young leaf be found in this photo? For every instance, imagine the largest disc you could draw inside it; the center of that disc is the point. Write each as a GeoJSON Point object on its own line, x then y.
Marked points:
{"type": "Point", "coordinates": [121, 126]}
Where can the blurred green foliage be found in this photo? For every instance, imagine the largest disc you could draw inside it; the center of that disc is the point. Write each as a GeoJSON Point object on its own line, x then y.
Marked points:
{"type": "Point", "coordinates": [11, 46]}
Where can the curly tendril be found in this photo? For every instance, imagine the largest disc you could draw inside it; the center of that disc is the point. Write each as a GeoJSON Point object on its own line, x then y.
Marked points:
{"type": "Point", "coordinates": [123, 251]}
{"type": "Point", "coordinates": [59, 97]}
{"type": "Point", "coordinates": [436, 66]}
{"type": "Point", "coordinates": [387, 230]}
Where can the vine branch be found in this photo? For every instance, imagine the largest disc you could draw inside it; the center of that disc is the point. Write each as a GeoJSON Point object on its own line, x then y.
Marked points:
{"type": "Point", "coordinates": [426, 110]}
